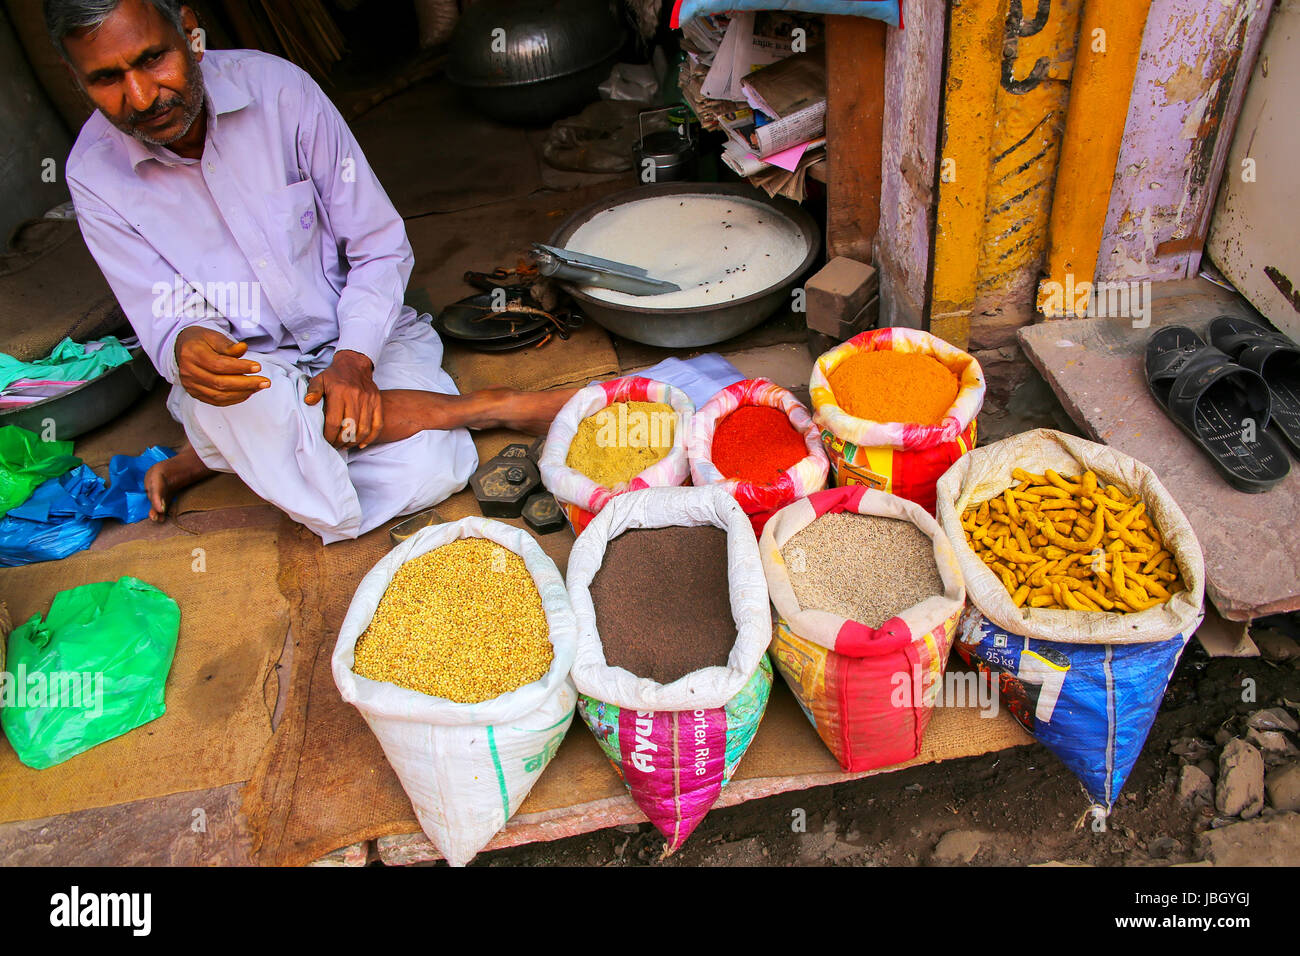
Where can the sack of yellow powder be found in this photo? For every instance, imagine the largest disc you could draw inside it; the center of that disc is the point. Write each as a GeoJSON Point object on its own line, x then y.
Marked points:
{"type": "Point", "coordinates": [466, 759]}
{"type": "Point", "coordinates": [615, 437]}
{"type": "Point", "coordinates": [896, 407]}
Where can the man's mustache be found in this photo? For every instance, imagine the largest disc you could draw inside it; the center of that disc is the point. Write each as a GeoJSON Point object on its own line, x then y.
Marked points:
{"type": "Point", "coordinates": [155, 111]}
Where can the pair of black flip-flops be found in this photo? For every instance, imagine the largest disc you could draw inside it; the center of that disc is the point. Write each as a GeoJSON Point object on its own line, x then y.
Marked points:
{"type": "Point", "coordinates": [1238, 398]}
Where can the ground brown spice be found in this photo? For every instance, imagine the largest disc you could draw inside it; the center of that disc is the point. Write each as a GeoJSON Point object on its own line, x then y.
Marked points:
{"type": "Point", "coordinates": [663, 602]}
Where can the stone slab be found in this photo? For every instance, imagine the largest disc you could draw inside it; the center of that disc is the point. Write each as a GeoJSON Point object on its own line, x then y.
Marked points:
{"type": "Point", "coordinates": [1252, 553]}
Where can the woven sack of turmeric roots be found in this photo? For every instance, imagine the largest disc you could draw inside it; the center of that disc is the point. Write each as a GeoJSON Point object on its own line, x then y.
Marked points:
{"type": "Point", "coordinates": [896, 407]}
{"type": "Point", "coordinates": [1085, 582]}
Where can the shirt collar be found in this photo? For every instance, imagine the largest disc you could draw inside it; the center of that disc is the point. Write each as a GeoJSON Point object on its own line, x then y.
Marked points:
{"type": "Point", "coordinates": [222, 95]}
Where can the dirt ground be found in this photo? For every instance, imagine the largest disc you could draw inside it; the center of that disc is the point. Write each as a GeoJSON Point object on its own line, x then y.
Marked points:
{"type": "Point", "coordinates": [1016, 807]}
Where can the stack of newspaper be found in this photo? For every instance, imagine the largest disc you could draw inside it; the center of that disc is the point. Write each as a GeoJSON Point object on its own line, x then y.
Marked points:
{"type": "Point", "coordinates": [760, 77]}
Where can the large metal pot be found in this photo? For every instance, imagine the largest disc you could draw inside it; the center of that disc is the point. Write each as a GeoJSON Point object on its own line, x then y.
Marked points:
{"type": "Point", "coordinates": [702, 325]}
{"type": "Point", "coordinates": [530, 62]}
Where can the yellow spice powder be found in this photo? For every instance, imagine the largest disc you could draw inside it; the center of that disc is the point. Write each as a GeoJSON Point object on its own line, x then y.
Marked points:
{"type": "Point", "coordinates": [622, 440]}
{"type": "Point", "coordinates": [463, 622]}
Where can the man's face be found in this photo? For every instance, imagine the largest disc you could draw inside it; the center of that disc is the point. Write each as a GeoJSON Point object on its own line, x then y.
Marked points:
{"type": "Point", "coordinates": [139, 72]}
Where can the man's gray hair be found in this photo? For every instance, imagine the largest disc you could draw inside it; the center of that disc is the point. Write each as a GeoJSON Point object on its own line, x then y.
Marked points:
{"type": "Point", "coordinates": [66, 16]}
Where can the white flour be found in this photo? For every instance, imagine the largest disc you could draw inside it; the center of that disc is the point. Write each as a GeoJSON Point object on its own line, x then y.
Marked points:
{"type": "Point", "coordinates": [717, 248]}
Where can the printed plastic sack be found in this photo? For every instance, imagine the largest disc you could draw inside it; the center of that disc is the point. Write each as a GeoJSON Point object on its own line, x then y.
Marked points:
{"type": "Point", "coordinates": [675, 745]}
{"type": "Point", "coordinates": [869, 692]}
{"type": "Point", "coordinates": [579, 496]}
{"type": "Point", "coordinates": [1086, 684]}
{"type": "Point", "coordinates": [94, 668]}
{"type": "Point", "coordinates": [466, 767]}
{"type": "Point", "coordinates": [798, 481]}
{"type": "Point", "coordinates": [903, 459]}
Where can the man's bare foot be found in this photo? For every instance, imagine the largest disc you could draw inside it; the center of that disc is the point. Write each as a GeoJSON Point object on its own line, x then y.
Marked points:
{"type": "Point", "coordinates": [168, 477]}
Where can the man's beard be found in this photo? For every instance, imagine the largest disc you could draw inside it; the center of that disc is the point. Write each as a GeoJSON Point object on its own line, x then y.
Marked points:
{"type": "Point", "coordinates": [192, 106]}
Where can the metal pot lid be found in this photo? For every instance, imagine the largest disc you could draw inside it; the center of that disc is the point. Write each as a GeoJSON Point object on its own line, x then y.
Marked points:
{"type": "Point", "coordinates": [519, 42]}
{"type": "Point", "coordinates": [665, 145]}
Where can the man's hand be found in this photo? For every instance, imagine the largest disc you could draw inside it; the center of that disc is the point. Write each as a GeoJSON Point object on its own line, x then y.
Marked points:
{"type": "Point", "coordinates": [211, 370]}
{"type": "Point", "coordinates": [353, 408]}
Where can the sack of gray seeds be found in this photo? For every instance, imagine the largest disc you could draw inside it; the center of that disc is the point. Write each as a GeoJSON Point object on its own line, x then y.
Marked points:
{"type": "Point", "coordinates": [866, 614]}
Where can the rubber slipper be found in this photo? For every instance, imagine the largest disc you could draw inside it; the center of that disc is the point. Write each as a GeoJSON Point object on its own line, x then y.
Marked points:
{"type": "Point", "coordinates": [1221, 406]}
{"type": "Point", "coordinates": [1277, 360]}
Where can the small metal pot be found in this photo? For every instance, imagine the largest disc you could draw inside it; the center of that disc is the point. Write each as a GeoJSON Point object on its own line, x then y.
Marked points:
{"type": "Point", "coordinates": [665, 155]}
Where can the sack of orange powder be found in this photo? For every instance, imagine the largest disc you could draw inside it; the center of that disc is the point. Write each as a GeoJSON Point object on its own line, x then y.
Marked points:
{"type": "Point", "coordinates": [902, 458]}
{"type": "Point", "coordinates": [787, 477]}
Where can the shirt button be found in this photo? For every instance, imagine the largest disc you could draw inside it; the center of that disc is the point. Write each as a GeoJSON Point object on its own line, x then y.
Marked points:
{"type": "Point", "coordinates": [261, 263]}
{"type": "Point", "coordinates": [211, 167]}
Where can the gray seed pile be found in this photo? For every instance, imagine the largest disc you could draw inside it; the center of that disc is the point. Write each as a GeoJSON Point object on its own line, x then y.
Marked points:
{"type": "Point", "coordinates": [861, 567]}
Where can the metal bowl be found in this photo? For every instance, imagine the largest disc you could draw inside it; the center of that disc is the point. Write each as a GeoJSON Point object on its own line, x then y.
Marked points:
{"type": "Point", "coordinates": [550, 56]}
{"type": "Point", "coordinates": [88, 406]}
{"type": "Point", "coordinates": [701, 325]}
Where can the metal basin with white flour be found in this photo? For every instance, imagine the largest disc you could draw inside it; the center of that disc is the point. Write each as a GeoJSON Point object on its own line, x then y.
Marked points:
{"type": "Point", "coordinates": [735, 253]}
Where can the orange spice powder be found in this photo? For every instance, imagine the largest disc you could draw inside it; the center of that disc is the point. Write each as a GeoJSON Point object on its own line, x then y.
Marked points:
{"type": "Point", "coordinates": [894, 387]}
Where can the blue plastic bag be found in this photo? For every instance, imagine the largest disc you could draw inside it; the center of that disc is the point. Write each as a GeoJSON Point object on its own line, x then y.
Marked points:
{"type": "Point", "coordinates": [1090, 704]}
{"type": "Point", "coordinates": [64, 515]}
{"type": "Point", "coordinates": [887, 10]}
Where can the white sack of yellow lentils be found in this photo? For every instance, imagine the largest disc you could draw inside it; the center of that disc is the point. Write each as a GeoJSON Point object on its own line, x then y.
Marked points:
{"type": "Point", "coordinates": [456, 650]}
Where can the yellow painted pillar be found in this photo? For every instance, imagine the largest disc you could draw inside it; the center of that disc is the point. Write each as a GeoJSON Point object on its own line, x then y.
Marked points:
{"type": "Point", "coordinates": [1106, 60]}
{"type": "Point", "coordinates": [975, 41]}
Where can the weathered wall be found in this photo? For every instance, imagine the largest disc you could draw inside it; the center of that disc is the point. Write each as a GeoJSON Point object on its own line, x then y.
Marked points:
{"type": "Point", "coordinates": [1191, 77]}
{"type": "Point", "coordinates": [1254, 230]}
{"type": "Point", "coordinates": [913, 87]}
{"type": "Point", "coordinates": [1007, 88]}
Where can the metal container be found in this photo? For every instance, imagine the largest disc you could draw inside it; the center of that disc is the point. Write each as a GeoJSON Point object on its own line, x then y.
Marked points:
{"type": "Point", "coordinates": [530, 62]}
{"type": "Point", "coordinates": [664, 155]}
{"type": "Point", "coordinates": [88, 406]}
{"type": "Point", "coordinates": [702, 325]}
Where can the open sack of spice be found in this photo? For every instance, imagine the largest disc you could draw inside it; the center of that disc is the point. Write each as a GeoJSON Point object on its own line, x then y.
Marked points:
{"type": "Point", "coordinates": [673, 627]}
{"type": "Point", "coordinates": [896, 407]}
{"type": "Point", "coordinates": [868, 595]}
{"type": "Point", "coordinates": [613, 437]}
{"type": "Point", "coordinates": [757, 441]}
{"type": "Point", "coordinates": [456, 650]}
{"type": "Point", "coordinates": [1086, 581]}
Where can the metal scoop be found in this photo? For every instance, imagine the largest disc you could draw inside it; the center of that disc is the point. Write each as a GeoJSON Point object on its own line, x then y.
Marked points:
{"type": "Point", "coordinates": [578, 267]}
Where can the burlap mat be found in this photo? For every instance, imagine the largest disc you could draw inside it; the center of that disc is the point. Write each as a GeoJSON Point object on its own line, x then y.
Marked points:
{"type": "Point", "coordinates": [50, 287]}
{"type": "Point", "coordinates": [588, 354]}
{"type": "Point", "coordinates": [221, 689]}
{"type": "Point", "coordinates": [324, 782]}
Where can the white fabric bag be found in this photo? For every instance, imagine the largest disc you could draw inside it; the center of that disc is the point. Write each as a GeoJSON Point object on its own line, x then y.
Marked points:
{"type": "Point", "coordinates": [466, 767]}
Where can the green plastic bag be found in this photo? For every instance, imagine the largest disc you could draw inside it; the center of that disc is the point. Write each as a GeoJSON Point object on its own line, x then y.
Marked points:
{"type": "Point", "coordinates": [93, 669]}
{"type": "Point", "coordinates": [26, 461]}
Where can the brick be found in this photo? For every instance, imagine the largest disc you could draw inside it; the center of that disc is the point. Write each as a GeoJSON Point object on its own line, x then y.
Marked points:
{"type": "Point", "coordinates": [838, 293]}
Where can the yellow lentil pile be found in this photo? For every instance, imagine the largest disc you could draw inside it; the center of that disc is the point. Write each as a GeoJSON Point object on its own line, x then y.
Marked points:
{"type": "Point", "coordinates": [1066, 542]}
{"type": "Point", "coordinates": [463, 622]}
{"type": "Point", "coordinates": [622, 440]}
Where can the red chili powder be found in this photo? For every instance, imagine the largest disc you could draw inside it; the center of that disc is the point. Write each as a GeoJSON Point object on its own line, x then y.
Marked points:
{"type": "Point", "coordinates": [756, 443]}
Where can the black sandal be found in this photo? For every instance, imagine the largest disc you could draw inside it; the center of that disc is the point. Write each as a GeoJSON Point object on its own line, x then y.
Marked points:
{"type": "Point", "coordinates": [1217, 403]}
{"type": "Point", "coordinates": [1277, 360]}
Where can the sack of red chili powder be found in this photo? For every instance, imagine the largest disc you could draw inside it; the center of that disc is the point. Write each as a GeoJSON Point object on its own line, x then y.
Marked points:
{"type": "Point", "coordinates": [869, 691]}
{"type": "Point", "coordinates": [676, 745]}
{"type": "Point", "coordinates": [904, 458]}
{"type": "Point", "coordinates": [756, 440]}
{"type": "Point", "coordinates": [579, 495]}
